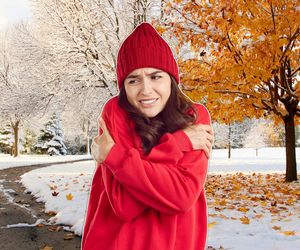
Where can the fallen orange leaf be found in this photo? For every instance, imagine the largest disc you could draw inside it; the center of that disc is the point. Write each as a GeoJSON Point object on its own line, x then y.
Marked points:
{"type": "Point", "coordinates": [258, 216]}
{"type": "Point", "coordinates": [54, 228]}
{"type": "Point", "coordinates": [223, 216]}
{"type": "Point", "coordinates": [245, 220]}
{"type": "Point", "coordinates": [276, 227]}
{"type": "Point", "coordinates": [288, 233]}
{"type": "Point", "coordinates": [53, 187]}
{"type": "Point", "coordinates": [51, 213]}
{"type": "Point", "coordinates": [47, 248]}
{"type": "Point", "coordinates": [69, 236]}
{"type": "Point", "coordinates": [212, 224]}
{"type": "Point", "coordinates": [223, 202]}
{"type": "Point", "coordinates": [69, 196]}
{"type": "Point", "coordinates": [243, 209]}
{"type": "Point", "coordinates": [263, 203]}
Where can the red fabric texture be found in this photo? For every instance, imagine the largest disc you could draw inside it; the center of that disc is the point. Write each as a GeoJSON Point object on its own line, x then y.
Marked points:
{"type": "Point", "coordinates": [144, 47]}
{"type": "Point", "coordinates": [147, 202]}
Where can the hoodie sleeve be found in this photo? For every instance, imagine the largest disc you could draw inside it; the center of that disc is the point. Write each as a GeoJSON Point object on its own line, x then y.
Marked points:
{"type": "Point", "coordinates": [171, 178]}
{"type": "Point", "coordinates": [123, 203]}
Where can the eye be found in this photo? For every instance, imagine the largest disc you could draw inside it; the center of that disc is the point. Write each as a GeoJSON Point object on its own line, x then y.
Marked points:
{"type": "Point", "coordinates": [156, 77]}
{"type": "Point", "coordinates": [132, 81]}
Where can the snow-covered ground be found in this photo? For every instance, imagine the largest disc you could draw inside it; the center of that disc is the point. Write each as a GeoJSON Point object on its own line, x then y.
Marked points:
{"type": "Point", "coordinates": [64, 189]}
{"type": "Point", "coordinates": [7, 161]}
{"type": "Point", "coordinates": [234, 222]}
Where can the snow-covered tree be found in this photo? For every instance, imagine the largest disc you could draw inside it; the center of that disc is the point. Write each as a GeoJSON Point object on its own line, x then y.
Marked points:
{"type": "Point", "coordinates": [64, 60]}
{"type": "Point", "coordinates": [81, 39]}
{"type": "Point", "coordinates": [256, 136]}
{"type": "Point", "coordinates": [232, 135]}
{"type": "Point", "coordinates": [51, 139]}
{"type": "Point", "coordinates": [22, 95]}
{"type": "Point", "coordinates": [29, 140]}
{"type": "Point", "coordinates": [220, 134]}
{"type": "Point", "coordinates": [6, 139]}
{"type": "Point", "coordinates": [275, 134]}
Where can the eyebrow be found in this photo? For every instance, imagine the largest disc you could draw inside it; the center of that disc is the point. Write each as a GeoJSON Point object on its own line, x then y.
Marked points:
{"type": "Point", "coordinates": [135, 76]}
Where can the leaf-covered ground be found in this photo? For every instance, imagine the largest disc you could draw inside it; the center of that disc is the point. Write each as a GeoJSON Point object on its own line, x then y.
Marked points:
{"type": "Point", "coordinates": [254, 208]}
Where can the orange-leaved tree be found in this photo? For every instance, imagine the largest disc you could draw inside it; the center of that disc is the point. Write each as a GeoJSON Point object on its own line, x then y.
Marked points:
{"type": "Point", "coordinates": [242, 59]}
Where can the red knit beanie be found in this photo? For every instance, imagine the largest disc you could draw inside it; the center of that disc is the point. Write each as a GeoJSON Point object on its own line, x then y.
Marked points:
{"type": "Point", "coordinates": [144, 47]}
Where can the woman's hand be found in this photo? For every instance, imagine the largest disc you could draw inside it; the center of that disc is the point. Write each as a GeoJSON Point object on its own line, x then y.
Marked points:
{"type": "Point", "coordinates": [102, 144]}
{"type": "Point", "coordinates": [201, 136]}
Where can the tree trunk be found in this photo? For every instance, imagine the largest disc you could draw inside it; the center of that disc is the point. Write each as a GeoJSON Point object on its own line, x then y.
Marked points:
{"type": "Point", "coordinates": [229, 141]}
{"type": "Point", "coordinates": [88, 145]}
{"type": "Point", "coordinates": [15, 127]}
{"type": "Point", "coordinates": [290, 152]}
{"type": "Point", "coordinates": [88, 150]}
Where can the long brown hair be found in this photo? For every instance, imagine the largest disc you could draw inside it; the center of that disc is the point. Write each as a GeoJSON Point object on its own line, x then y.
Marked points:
{"type": "Point", "coordinates": [173, 117]}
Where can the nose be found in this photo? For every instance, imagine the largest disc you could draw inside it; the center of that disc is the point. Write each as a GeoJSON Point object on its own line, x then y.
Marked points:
{"type": "Point", "coordinates": [146, 87]}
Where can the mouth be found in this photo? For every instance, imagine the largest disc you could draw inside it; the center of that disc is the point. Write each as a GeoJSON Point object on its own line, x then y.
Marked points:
{"type": "Point", "coordinates": [148, 102]}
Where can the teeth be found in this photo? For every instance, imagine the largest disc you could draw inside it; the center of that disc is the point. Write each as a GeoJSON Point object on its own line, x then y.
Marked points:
{"type": "Point", "coordinates": [148, 101]}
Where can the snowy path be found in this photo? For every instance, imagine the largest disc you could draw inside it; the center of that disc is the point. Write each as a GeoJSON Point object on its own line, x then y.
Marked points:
{"type": "Point", "coordinates": [23, 219]}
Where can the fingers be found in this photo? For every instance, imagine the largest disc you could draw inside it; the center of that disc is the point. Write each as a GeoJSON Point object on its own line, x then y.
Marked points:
{"type": "Point", "coordinates": [96, 140]}
{"type": "Point", "coordinates": [99, 119]}
{"type": "Point", "coordinates": [102, 124]}
{"type": "Point", "coordinates": [106, 133]}
{"type": "Point", "coordinates": [212, 131]}
{"type": "Point", "coordinates": [208, 150]}
{"type": "Point", "coordinates": [207, 147]}
{"type": "Point", "coordinates": [205, 127]}
{"type": "Point", "coordinates": [205, 130]}
{"type": "Point", "coordinates": [208, 128]}
{"type": "Point", "coordinates": [93, 147]}
{"type": "Point", "coordinates": [210, 137]}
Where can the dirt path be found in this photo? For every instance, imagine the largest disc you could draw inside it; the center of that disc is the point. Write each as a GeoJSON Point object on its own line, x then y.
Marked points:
{"type": "Point", "coordinates": [20, 207]}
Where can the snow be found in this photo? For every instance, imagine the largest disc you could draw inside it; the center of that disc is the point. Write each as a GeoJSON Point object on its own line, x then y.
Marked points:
{"type": "Point", "coordinates": [10, 198]}
{"type": "Point", "coordinates": [39, 221]}
{"type": "Point", "coordinates": [262, 38]}
{"type": "Point", "coordinates": [6, 161]}
{"type": "Point", "coordinates": [62, 180]}
{"type": "Point", "coordinates": [74, 179]}
{"type": "Point", "coordinates": [269, 160]}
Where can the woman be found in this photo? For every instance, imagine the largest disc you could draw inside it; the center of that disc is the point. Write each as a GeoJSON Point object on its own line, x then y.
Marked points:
{"type": "Point", "coordinates": [152, 156]}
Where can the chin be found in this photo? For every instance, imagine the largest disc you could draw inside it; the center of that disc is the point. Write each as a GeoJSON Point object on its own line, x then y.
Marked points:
{"type": "Point", "coordinates": [151, 114]}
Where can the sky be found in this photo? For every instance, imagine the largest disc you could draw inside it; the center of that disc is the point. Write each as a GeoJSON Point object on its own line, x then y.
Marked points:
{"type": "Point", "coordinates": [12, 11]}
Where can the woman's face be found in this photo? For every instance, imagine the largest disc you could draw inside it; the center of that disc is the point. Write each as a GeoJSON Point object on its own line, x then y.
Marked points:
{"type": "Point", "coordinates": [148, 89]}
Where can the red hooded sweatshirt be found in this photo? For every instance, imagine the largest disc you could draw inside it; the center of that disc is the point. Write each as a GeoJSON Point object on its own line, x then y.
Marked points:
{"type": "Point", "coordinates": [147, 202]}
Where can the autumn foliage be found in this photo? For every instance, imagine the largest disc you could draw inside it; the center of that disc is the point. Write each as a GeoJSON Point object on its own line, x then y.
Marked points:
{"type": "Point", "coordinates": [240, 58]}
{"type": "Point", "coordinates": [238, 49]}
